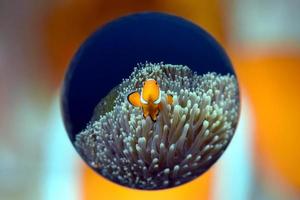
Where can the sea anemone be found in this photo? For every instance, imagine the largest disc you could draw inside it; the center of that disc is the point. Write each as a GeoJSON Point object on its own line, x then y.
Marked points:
{"type": "Point", "coordinates": [187, 138]}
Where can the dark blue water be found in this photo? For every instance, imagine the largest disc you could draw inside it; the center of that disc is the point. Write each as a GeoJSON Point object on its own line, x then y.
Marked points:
{"type": "Point", "coordinates": [113, 50]}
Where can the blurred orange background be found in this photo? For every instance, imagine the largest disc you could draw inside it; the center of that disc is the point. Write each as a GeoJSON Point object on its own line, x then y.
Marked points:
{"type": "Point", "coordinates": [37, 42]}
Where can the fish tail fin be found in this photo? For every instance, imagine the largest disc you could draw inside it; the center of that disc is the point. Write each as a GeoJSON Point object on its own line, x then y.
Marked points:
{"type": "Point", "coordinates": [134, 99]}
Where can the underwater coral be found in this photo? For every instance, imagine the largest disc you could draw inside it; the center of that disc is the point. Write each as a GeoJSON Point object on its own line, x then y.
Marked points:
{"type": "Point", "coordinates": [188, 136]}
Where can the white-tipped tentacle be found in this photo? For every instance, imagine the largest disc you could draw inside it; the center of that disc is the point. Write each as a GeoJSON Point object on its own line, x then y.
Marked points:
{"type": "Point", "coordinates": [187, 137]}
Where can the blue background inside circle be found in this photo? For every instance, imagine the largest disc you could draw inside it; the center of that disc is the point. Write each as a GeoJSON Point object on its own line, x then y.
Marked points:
{"type": "Point", "coordinates": [110, 54]}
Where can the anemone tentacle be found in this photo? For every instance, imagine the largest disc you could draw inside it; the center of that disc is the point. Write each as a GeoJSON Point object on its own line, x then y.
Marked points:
{"type": "Point", "coordinates": [187, 138]}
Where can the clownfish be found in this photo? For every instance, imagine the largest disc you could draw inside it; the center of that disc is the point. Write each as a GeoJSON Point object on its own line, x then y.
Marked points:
{"type": "Point", "coordinates": [149, 99]}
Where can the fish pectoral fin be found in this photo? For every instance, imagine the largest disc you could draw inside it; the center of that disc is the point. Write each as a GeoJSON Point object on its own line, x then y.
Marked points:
{"type": "Point", "coordinates": [145, 113]}
{"type": "Point", "coordinates": [154, 115]}
{"type": "Point", "coordinates": [134, 99]}
{"type": "Point", "coordinates": [169, 99]}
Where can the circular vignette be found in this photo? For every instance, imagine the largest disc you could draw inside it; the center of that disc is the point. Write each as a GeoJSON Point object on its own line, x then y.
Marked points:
{"type": "Point", "coordinates": [110, 54]}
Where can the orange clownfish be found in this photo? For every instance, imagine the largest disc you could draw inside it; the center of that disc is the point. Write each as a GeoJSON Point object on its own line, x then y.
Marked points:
{"type": "Point", "coordinates": [149, 99]}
